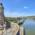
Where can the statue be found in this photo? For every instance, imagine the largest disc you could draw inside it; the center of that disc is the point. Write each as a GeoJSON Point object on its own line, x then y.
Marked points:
{"type": "Point", "coordinates": [1, 18]}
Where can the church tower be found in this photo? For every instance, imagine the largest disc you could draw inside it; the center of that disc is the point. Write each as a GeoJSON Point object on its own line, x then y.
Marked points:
{"type": "Point", "coordinates": [1, 16]}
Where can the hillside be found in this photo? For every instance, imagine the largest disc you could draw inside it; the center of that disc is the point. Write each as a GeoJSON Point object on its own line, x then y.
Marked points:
{"type": "Point", "coordinates": [18, 18]}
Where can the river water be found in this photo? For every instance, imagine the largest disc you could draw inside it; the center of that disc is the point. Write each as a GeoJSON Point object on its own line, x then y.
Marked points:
{"type": "Point", "coordinates": [29, 27]}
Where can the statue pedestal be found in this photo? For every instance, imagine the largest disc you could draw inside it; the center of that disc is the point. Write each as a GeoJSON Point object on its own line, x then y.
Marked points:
{"type": "Point", "coordinates": [1, 32]}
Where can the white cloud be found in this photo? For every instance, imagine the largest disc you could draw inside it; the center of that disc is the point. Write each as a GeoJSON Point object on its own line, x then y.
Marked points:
{"type": "Point", "coordinates": [25, 7]}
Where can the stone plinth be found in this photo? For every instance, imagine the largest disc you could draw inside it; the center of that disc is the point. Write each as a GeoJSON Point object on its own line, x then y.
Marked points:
{"type": "Point", "coordinates": [1, 32]}
{"type": "Point", "coordinates": [21, 31]}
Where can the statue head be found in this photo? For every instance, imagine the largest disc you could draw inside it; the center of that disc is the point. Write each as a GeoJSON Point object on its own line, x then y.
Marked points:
{"type": "Point", "coordinates": [1, 7]}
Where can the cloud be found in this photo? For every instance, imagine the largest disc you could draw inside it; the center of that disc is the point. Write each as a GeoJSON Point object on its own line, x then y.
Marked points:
{"type": "Point", "coordinates": [26, 7]}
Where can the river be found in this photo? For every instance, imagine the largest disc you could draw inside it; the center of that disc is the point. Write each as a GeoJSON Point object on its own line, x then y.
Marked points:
{"type": "Point", "coordinates": [29, 27]}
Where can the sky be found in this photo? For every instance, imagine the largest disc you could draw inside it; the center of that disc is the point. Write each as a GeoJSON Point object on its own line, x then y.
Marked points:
{"type": "Point", "coordinates": [14, 8]}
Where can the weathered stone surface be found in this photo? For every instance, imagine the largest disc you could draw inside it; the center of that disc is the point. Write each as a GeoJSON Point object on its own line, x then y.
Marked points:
{"type": "Point", "coordinates": [1, 33]}
{"type": "Point", "coordinates": [1, 19]}
{"type": "Point", "coordinates": [1, 16]}
{"type": "Point", "coordinates": [13, 30]}
{"type": "Point", "coordinates": [21, 31]}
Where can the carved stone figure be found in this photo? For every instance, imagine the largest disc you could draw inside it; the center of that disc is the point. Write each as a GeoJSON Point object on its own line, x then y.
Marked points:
{"type": "Point", "coordinates": [1, 18]}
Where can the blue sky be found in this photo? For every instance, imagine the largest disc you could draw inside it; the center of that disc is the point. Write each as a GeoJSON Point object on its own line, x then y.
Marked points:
{"type": "Point", "coordinates": [14, 8]}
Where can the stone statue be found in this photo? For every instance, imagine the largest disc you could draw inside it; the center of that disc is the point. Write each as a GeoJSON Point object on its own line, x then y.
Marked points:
{"type": "Point", "coordinates": [1, 18]}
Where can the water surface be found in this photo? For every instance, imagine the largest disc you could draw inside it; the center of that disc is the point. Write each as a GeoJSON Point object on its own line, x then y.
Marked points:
{"type": "Point", "coordinates": [29, 27]}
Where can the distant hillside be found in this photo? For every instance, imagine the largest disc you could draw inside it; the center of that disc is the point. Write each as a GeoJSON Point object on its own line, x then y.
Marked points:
{"type": "Point", "coordinates": [19, 18]}
{"type": "Point", "coordinates": [16, 19]}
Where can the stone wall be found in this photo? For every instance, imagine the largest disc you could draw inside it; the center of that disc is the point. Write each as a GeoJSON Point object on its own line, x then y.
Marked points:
{"type": "Point", "coordinates": [21, 31]}
{"type": "Point", "coordinates": [13, 30]}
